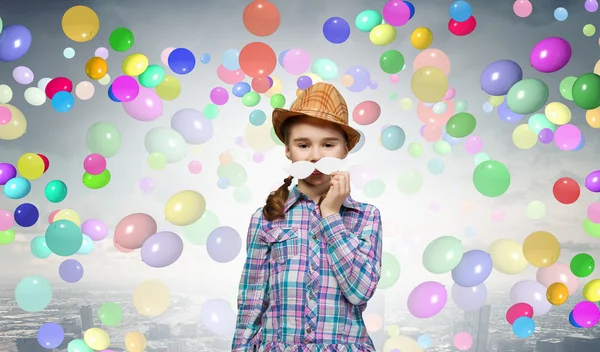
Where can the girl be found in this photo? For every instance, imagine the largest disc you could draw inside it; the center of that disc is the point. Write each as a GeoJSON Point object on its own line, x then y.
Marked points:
{"type": "Point", "coordinates": [313, 253]}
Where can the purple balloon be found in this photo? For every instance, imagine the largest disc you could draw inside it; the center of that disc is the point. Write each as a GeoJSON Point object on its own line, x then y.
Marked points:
{"type": "Point", "coordinates": [162, 249]}
{"type": "Point", "coordinates": [362, 78]}
{"type": "Point", "coordinates": [7, 173]}
{"type": "Point", "coordinates": [224, 244]}
{"type": "Point", "coordinates": [500, 76]}
{"type": "Point", "coordinates": [469, 298]}
{"type": "Point", "coordinates": [586, 314]}
{"type": "Point", "coordinates": [427, 299]}
{"type": "Point", "coordinates": [70, 271]}
{"type": "Point", "coordinates": [95, 229]}
{"type": "Point", "coordinates": [304, 82]}
{"type": "Point", "coordinates": [507, 115]}
{"type": "Point", "coordinates": [592, 181]}
{"type": "Point", "coordinates": [15, 41]}
{"type": "Point", "coordinates": [50, 335]}
{"type": "Point", "coordinates": [474, 268]}
{"type": "Point", "coordinates": [550, 54]}
{"type": "Point", "coordinates": [546, 135]}
{"type": "Point", "coordinates": [218, 316]}
{"type": "Point", "coordinates": [591, 5]}
{"type": "Point", "coordinates": [219, 96]}
{"type": "Point", "coordinates": [147, 106]}
{"type": "Point", "coordinates": [193, 126]}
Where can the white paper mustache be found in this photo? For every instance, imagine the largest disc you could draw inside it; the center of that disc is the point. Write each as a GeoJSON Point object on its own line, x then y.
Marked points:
{"type": "Point", "coordinates": [303, 169]}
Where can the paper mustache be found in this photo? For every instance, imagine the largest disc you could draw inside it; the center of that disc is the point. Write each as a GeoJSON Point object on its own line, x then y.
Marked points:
{"type": "Point", "coordinates": [303, 169]}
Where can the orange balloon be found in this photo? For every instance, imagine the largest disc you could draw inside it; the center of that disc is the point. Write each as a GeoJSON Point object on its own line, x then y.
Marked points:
{"type": "Point", "coordinates": [557, 293]}
{"type": "Point", "coordinates": [96, 68]}
{"type": "Point", "coordinates": [261, 18]}
{"type": "Point", "coordinates": [593, 117]}
{"type": "Point", "coordinates": [432, 133]}
{"type": "Point", "coordinates": [432, 58]}
{"type": "Point", "coordinates": [257, 60]}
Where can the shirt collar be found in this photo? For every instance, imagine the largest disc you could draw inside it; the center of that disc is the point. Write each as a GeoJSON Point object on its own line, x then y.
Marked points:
{"type": "Point", "coordinates": [296, 195]}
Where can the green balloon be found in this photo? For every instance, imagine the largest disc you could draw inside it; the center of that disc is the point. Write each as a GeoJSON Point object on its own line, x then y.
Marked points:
{"type": "Point", "coordinates": [491, 178]}
{"type": "Point", "coordinates": [64, 238]}
{"type": "Point", "coordinates": [410, 182]}
{"type": "Point", "coordinates": [251, 99]}
{"type": "Point", "coordinates": [582, 265]}
{"type": "Point", "coordinates": [527, 96]}
{"type": "Point", "coordinates": [415, 149]}
{"type": "Point", "coordinates": [110, 314]}
{"type": "Point", "coordinates": [461, 106]}
{"type": "Point", "coordinates": [38, 247]}
{"type": "Point", "coordinates": [538, 122]}
{"type": "Point", "coordinates": [566, 87]}
{"type": "Point", "coordinates": [78, 345]}
{"type": "Point", "coordinates": [33, 293]}
{"type": "Point", "coordinates": [391, 61]}
{"type": "Point", "coordinates": [443, 254]}
{"type": "Point", "coordinates": [324, 68]}
{"type": "Point", "coordinates": [591, 228]}
{"type": "Point", "coordinates": [275, 138]}
{"type": "Point", "coordinates": [197, 233]}
{"type": "Point", "coordinates": [234, 172]}
{"type": "Point", "coordinates": [121, 39]}
{"type": "Point", "coordinates": [374, 188]}
{"type": "Point", "coordinates": [56, 191]}
{"type": "Point", "coordinates": [586, 91]}
{"type": "Point", "coordinates": [1, 25]}
{"type": "Point", "coordinates": [242, 194]}
{"type": "Point", "coordinates": [152, 77]}
{"type": "Point", "coordinates": [103, 138]}
{"type": "Point", "coordinates": [211, 111]}
{"type": "Point", "coordinates": [442, 147]}
{"type": "Point", "coordinates": [277, 101]}
{"type": "Point", "coordinates": [7, 236]}
{"type": "Point", "coordinates": [393, 95]}
{"type": "Point", "coordinates": [390, 271]}
{"type": "Point", "coordinates": [367, 20]}
{"type": "Point", "coordinates": [461, 125]}
{"type": "Point", "coordinates": [96, 181]}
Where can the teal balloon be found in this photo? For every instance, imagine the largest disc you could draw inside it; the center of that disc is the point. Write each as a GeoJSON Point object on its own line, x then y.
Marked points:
{"type": "Point", "coordinates": [78, 345]}
{"type": "Point", "coordinates": [435, 166]}
{"type": "Point", "coordinates": [443, 254]}
{"type": "Point", "coordinates": [64, 238]}
{"type": "Point", "coordinates": [393, 137]}
{"type": "Point", "coordinates": [374, 188]}
{"type": "Point", "coordinates": [527, 96]}
{"type": "Point", "coordinates": [538, 122]}
{"type": "Point", "coordinates": [87, 246]}
{"type": "Point", "coordinates": [480, 157]}
{"type": "Point", "coordinates": [38, 247]}
{"type": "Point", "coordinates": [56, 191]}
{"type": "Point", "coordinates": [367, 20]}
{"type": "Point", "coordinates": [152, 77]}
{"type": "Point", "coordinates": [460, 106]}
{"type": "Point", "coordinates": [33, 293]}
{"type": "Point", "coordinates": [324, 68]}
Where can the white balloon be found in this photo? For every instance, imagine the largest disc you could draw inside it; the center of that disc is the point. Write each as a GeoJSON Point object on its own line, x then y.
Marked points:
{"type": "Point", "coordinates": [35, 96]}
{"type": "Point", "coordinates": [85, 90]}
{"type": "Point", "coordinates": [6, 94]}
{"type": "Point", "coordinates": [43, 83]}
{"type": "Point", "coordinates": [166, 141]}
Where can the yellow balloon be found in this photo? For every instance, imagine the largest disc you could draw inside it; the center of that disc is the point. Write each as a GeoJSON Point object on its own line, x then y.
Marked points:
{"type": "Point", "coordinates": [405, 104]}
{"type": "Point", "coordinates": [541, 249]}
{"type": "Point", "coordinates": [592, 117]}
{"type": "Point", "coordinates": [17, 125]}
{"type": "Point", "coordinates": [401, 343]}
{"type": "Point", "coordinates": [421, 38]}
{"type": "Point", "coordinates": [496, 100]}
{"type": "Point", "coordinates": [429, 84]}
{"type": "Point", "coordinates": [151, 298]}
{"type": "Point", "coordinates": [259, 137]}
{"type": "Point", "coordinates": [597, 68]}
{"type": "Point", "coordinates": [315, 78]}
{"type": "Point", "coordinates": [507, 256]}
{"type": "Point", "coordinates": [523, 137]}
{"type": "Point", "coordinates": [96, 339]}
{"type": "Point", "coordinates": [135, 65]}
{"type": "Point", "coordinates": [347, 81]}
{"type": "Point", "coordinates": [169, 88]}
{"type": "Point", "coordinates": [185, 208]}
{"type": "Point", "coordinates": [591, 290]}
{"type": "Point", "coordinates": [80, 24]}
{"type": "Point", "coordinates": [557, 113]}
{"type": "Point", "coordinates": [557, 293]}
{"type": "Point", "coordinates": [135, 341]}
{"type": "Point", "coordinates": [382, 35]}
{"type": "Point", "coordinates": [30, 166]}
{"type": "Point", "coordinates": [393, 330]}
{"type": "Point", "coordinates": [69, 215]}
{"type": "Point", "coordinates": [276, 88]}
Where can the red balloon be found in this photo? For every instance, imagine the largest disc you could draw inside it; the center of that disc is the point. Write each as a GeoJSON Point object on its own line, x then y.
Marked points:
{"type": "Point", "coordinates": [46, 162]}
{"type": "Point", "coordinates": [59, 84]}
{"type": "Point", "coordinates": [462, 28]}
{"type": "Point", "coordinates": [518, 310]}
{"type": "Point", "coordinates": [566, 190]}
{"type": "Point", "coordinates": [261, 84]}
{"type": "Point", "coordinates": [257, 60]}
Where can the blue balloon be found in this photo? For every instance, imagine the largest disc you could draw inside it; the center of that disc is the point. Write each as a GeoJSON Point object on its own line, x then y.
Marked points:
{"type": "Point", "coordinates": [240, 89]}
{"type": "Point", "coordinates": [572, 321]}
{"type": "Point", "coordinates": [561, 14]}
{"type": "Point", "coordinates": [281, 56]}
{"type": "Point", "coordinates": [26, 215]}
{"type": "Point", "coordinates": [523, 327]}
{"type": "Point", "coordinates": [336, 30]}
{"type": "Point", "coordinates": [507, 115]}
{"type": "Point", "coordinates": [359, 145]}
{"type": "Point", "coordinates": [258, 117]}
{"type": "Point", "coordinates": [453, 141]}
{"type": "Point", "coordinates": [63, 101]}
{"type": "Point", "coordinates": [460, 11]}
{"type": "Point", "coordinates": [223, 183]}
{"type": "Point", "coordinates": [17, 188]}
{"type": "Point", "coordinates": [474, 268]}
{"type": "Point", "coordinates": [581, 143]}
{"type": "Point", "coordinates": [15, 41]}
{"type": "Point", "coordinates": [393, 137]}
{"type": "Point", "coordinates": [231, 59]}
{"type": "Point", "coordinates": [111, 95]}
{"type": "Point", "coordinates": [205, 58]}
{"type": "Point", "coordinates": [411, 7]}
{"type": "Point", "coordinates": [181, 61]}
{"type": "Point", "coordinates": [435, 166]}
{"type": "Point", "coordinates": [50, 335]}
{"type": "Point", "coordinates": [87, 246]}
{"type": "Point", "coordinates": [424, 341]}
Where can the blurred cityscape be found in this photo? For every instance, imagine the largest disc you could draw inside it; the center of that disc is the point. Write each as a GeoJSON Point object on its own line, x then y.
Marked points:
{"type": "Point", "coordinates": [180, 328]}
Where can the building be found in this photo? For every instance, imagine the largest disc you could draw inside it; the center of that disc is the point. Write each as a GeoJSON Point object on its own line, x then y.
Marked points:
{"type": "Point", "coordinates": [86, 314]}
{"type": "Point", "coordinates": [190, 330]}
{"type": "Point", "coordinates": [29, 345]}
{"type": "Point", "coordinates": [71, 326]}
{"type": "Point", "coordinates": [549, 345]}
{"type": "Point", "coordinates": [177, 346]}
{"type": "Point", "coordinates": [159, 332]}
{"type": "Point", "coordinates": [576, 343]}
{"type": "Point", "coordinates": [477, 324]}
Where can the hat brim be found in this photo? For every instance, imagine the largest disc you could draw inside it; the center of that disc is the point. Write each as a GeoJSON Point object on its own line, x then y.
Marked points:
{"type": "Point", "coordinates": [281, 115]}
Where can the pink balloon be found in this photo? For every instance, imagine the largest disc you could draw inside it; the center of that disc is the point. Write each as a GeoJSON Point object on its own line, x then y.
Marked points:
{"type": "Point", "coordinates": [52, 215]}
{"type": "Point", "coordinates": [432, 133]}
{"type": "Point", "coordinates": [394, 79]}
{"type": "Point", "coordinates": [473, 144]}
{"type": "Point", "coordinates": [6, 220]}
{"type": "Point", "coordinates": [125, 88]}
{"type": "Point", "coordinates": [522, 8]}
{"type": "Point", "coordinates": [101, 52]}
{"type": "Point", "coordinates": [435, 206]}
{"type": "Point", "coordinates": [558, 272]}
{"type": "Point", "coordinates": [550, 54]}
{"type": "Point", "coordinates": [497, 215]}
{"type": "Point", "coordinates": [229, 76]}
{"type": "Point", "coordinates": [296, 61]}
{"type": "Point", "coordinates": [95, 229]}
{"type": "Point", "coordinates": [164, 56]}
{"type": "Point", "coordinates": [360, 175]}
{"type": "Point", "coordinates": [147, 106]}
{"type": "Point", "coordinates": [586, 314]}
{"type": "Point", "coordinates": [593, 212]}
{"type": "Point", "coordinates": [518, 310]}
{"type": "Point", "coordinates": [429, 117]}
{"type": "Point", "coordinates": [463, 341]}
{"type": "Point", "coordinates": [5, 115]}
{"type": "Point", "coordinates": [396, 13]}
{"type": "Point", "coordinates": [366, 113]}
{"type": "Point", "coordinates": [146, 184]}
{"type": "Point", "coordinates": [567, 137]}
{"type": "Point", "coordinates": [195, 167]}
{"type": "Point", "coordinates": [134, 229]}
{"type": "Point", "coordinates": [94, 164]}
{"type": "Point", "coordinates": [121, 248]}
{"type": "Point", "coordinates": [427, 299]}
{"type": "Point", "coordinates": [449, 94]}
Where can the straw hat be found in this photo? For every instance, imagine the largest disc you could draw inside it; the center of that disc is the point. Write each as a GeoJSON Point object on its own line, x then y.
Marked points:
{"type": "Point", "coordinates": [322, 101]}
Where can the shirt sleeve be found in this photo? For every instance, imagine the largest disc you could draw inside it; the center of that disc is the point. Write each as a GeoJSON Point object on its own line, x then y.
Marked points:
{"type": "Point", "coordinates": [355, 258]}
{"type": "Point", "coordinates": [252, 300]}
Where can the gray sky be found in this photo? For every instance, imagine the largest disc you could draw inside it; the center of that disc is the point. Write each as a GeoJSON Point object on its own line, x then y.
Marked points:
{"type": "Point", "coordinates": [215, 26]}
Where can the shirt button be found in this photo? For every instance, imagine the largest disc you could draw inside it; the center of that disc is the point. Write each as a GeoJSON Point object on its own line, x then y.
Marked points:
{"type": "Point", "coordinates": [314, 237]}
{"type": "Point", "coordinates": [308, 330]}
{"type": "Point", "coordinates": [279, 237]}
{"type": "Point", "coordinates": [311, 296]}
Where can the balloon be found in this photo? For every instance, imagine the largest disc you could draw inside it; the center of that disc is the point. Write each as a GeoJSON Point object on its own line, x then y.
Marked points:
{"type": "Point", "coordinates": [474, 268]}
{"type": "Point", "coordinates": [50, 335]}
{"type": "Point", "coordinates": [421, 38]}
{"type": "Point", "coordinates": [463, 341]}
{"type": "Point", "coordinates": [393, 137]}
{"type": "Point", "coordinates": [541, 249]}
{"type": "Point", "coordinates": [7, 173]}
{"type": "Point", "coordinates": [152, 77]}
{"type": "Point", "coordinates": [15, 41]}
{"type": "Point", "coordinates": [134, 229]}
{"type": "Point", "coordinates": [582, 265]}
{"type": "Point", "coordinates": [382, 34]}
{"type": "Point", "coordinates": [592, 181]}
{"type": "Point", "coordinates": [125, 88]}
{"type": "Point", "coordinates": [146, 106]}
{"type": "Point", "coordinates": [223, 244]}
{"type": "Point", "coordinates": [181, 61]}
{"type": "Point", "coordinates": [586, 314]}
{"type": "Point", "coordinates": [367, 20]}
{"type": "Point", "coordinates": [121, 39]}
{"type": "Point", "coordinates": [168, 89]}
{"type": "Point", "coordinates": [523, 327]}
{"type": "Point", "coordinates": [460, 11]}
{"type": "Point", "coordinates": [96, 181]}
{"type": "Point", "coordinates": [17, 188]}
{"type": "Point", "coordinates": [366, 112]}
{"type": "Point", "coordinates": [566, 190]}
{"type": "Point", "coordinates": [135, 341]}
{"type": "Point", "coordinates": [70, 270]}
{"type": "Point", "coordinates": [591, 290]}
{"type": "Point", "coordinates": [442, 255]}
{"type": "Point", "coordinates": [63, 238]}
{"type": "Point", "coordinates": [162, 249]}
{"type": "Point", "coordinates": [96, 230]}
{"type": "Point", "coordinates": [38, 247]}
{"type": "Point", "coordinates": [26, 215]}
{"type": "Point", "coordinates": [462, 28]}
{"type": "Point", "coordinates": [491, 178]}
{"type": "Point", "coordinates": [87, 245]}
{"type": "Point", "coordinates": [336, 30]}
{"type": "Point", "coordinates": [499, 76]}
{"type": "Point", "coordinates": [96, 68]}
{"type": "Point", "coordinates": [527, 96]}
{"type": "Point", "coordinates": [56, 191]}
{"type": "Point", "coordinates": [58, 84]}
{"type": "Point", "coordinates": [469, 298]}
{"type": "Point", "coordinates": [261, 18]}
{"type": "Point", "coordinates": [193, 126]}
{"type": "Point", "coordinates": [461, 125]}
{"type": "Point", "coordinates": [507, 256]}
{"type": "Point", "coordinates": [391, 61]}
{"type": "Point", "coordinates": [259, 60]}
{"type": "Point", "coordinates": [96, 339]}
{"type": "Point", "coordinates": [557, 293]}
{"type": "Point", "coordinates": [110, 314]}
{"type": "Point", "coordinates": [80, 24]}
{"type": "Point", "coordinates": [218, 316]}
{"type": "Point", "coordinates": [94, 164]}
{"type": "Point", "coordinates": [151, 298]}
{"type": "Point", "coordinates": [431, 58]}
{"type": "Point", "coordinates": [586, 91]}
{"type": "Point", "coordinates": [33, 293]}
{"type": "Point", "coordinates": [532, 293]}
{"type": "Point", "coordinates": [550, 55]}
{"type": "Point", "coordinates": [78, 345]}
{"type": "Point", "coordinates": [103, 138]}
{"type": "Point", "coordinates": [396, 13]}
{"type": "Point", "coordinates": [184, 208]}
{"type": "Point", "coordinates": [30, 166]}
{"type": "Point", "coordinates": [427, 299]}
{"type": "Point", "coordinates": [518, 310]}
{"type": "Point", "coordinates": [390, 271]}
{"type": "Point", "coordinates": [15, 127]}
{"type": "Point", "coordinates": [166, 141]}
{"type": "Point", "coordinates": [429, 84]}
